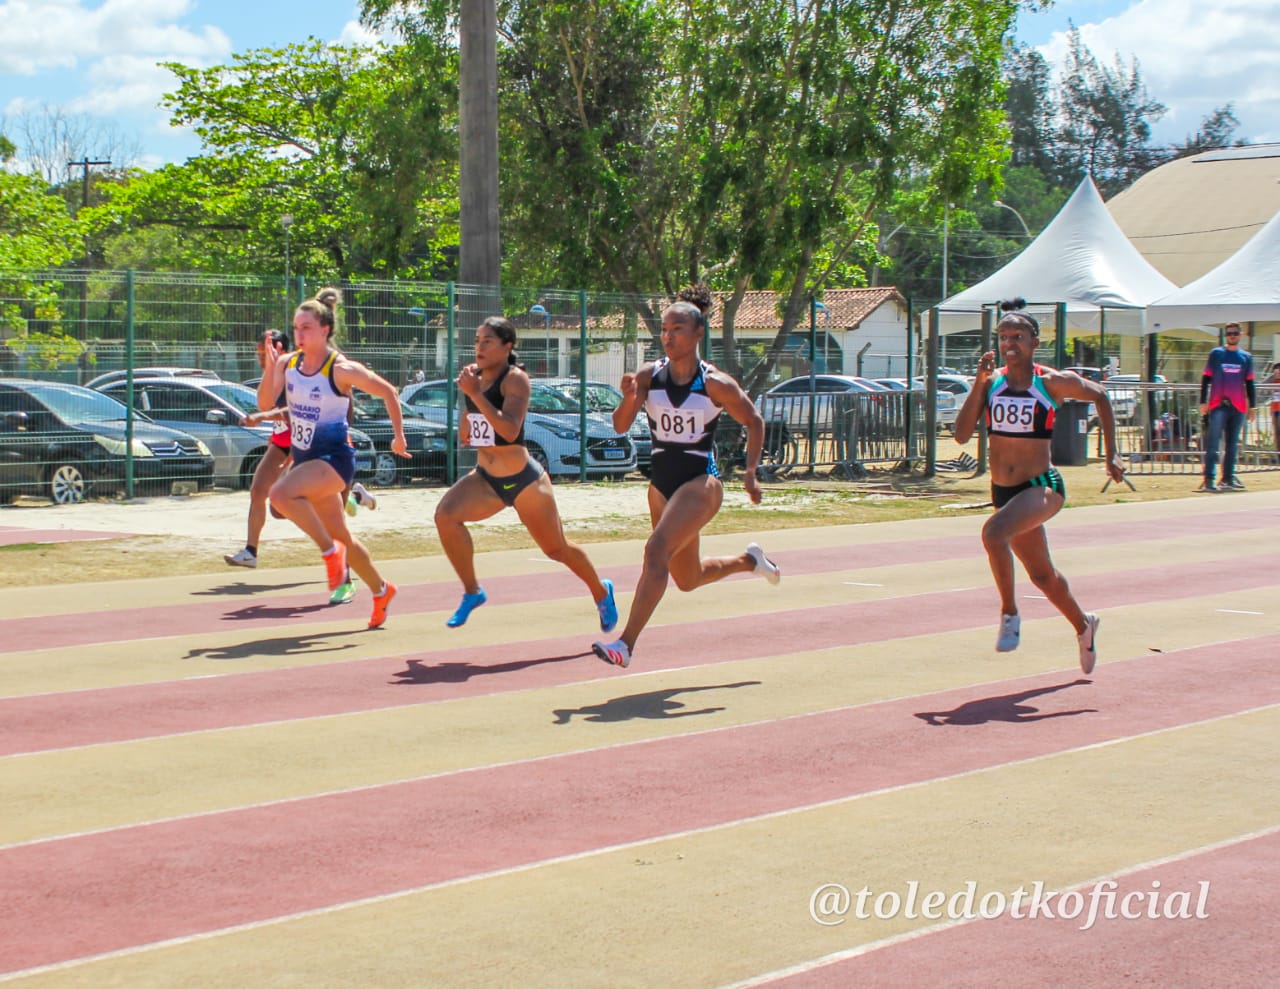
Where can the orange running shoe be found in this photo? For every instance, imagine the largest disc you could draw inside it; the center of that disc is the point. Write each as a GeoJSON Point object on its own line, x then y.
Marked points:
{"type": "Point", "coordinates": [380, 604]}
{"type": "Point", "coordinates": [335, 565]}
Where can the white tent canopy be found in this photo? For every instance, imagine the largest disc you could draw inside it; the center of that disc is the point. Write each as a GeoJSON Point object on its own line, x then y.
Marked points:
{"type": "Point", "coordinates": [1082, 259]}
{"type": "Point", "coordinates": [1244, 287]}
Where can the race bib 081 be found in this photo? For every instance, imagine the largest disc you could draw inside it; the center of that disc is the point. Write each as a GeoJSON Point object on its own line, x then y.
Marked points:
{"type": "Point", "coordinates": [680, 425]}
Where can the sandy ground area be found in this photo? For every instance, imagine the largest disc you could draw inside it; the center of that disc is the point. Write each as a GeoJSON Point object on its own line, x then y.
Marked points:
{"type": "Point", "coordinates": [221, 514]}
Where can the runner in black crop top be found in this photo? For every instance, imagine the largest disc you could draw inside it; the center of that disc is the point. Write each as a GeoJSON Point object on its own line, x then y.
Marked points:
{"type": "Point", "coordinates": [496, 391]}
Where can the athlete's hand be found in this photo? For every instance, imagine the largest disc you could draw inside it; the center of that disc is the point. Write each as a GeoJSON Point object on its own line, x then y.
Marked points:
{"type": "Point", "coordinates": [986, 366]}
{"type": "Point", "coordinates": [1115, 468]}
{"type": "Point", "coordinates": [752, 484]}
{"type": "Point", "coordinates": [400, 446]}
{"type": "Point", "coordinates": [469, 381]}
{"type": "Point", "coordinates": [628, 386]}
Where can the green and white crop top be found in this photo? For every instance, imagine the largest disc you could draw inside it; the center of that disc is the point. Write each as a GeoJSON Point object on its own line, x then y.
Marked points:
{"type": "Point", "coordinates": [1022, 414]}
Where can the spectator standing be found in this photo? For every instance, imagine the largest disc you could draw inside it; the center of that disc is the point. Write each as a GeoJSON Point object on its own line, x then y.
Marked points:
{"type": "Point", "coordinates": [1275, 407]}
{"type": "Point", "coordinates": [1226, 396]}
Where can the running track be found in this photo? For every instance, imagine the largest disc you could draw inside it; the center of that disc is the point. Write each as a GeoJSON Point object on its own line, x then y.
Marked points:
{"type": "Point", "coordinates": [219, 781]}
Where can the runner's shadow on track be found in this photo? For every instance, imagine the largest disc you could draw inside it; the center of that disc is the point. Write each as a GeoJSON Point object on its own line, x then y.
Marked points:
{"type": "Point", "coordinates": [241, 589]}
{"type": "Point", "coordinates": [418, 672]}
{"type": "Point", "coordinates": [657, 705]}
{"type": "Point", "coordinates": [1007, 707]}
{"type": "Point", "coordinates": [278, 611]}
{"type": "Point", "coordinates": [287, 645]}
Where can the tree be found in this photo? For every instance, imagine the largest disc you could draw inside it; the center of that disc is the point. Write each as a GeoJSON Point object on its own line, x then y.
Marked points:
{"type": "Point", "coordinates": [355, 143]}
{"type": "Point", "coordinates": [1216, 131]}
{"type": "Point", "coordinates": [1030, 107]}
{"type": "Point", "coordinates": [1105, 117]}
{"type": "Point", "coordinates": [751, 144]}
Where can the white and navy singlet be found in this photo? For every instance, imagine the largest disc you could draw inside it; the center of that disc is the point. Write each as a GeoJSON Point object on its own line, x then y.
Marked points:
{"type": "Point", "coordinates": [682, 420]}
{"type": "Point", "coordinates": [1022, 414]}
{"type": "Point", "coordinates": [318, 417]}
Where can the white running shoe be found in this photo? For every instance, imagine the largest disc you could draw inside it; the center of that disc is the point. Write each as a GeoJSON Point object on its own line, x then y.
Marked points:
{"type": "Point", "coordinates": [615, 653]}
{"type": "Point", "coordinates": [242, 559]}
{"type": "Point", "coordinates": [765, 567]}
{"type": "Point", "coordinates": [364, 497]}
{"type": "Point", "coordinates": [1088, 641]}
{"type": "Point", "coordinates": [1010, 633]}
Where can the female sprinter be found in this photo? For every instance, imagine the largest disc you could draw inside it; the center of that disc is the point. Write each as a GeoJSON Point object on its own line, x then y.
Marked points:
{"type": "Point", "coordinates": [317, 382]}
{"type": "Point", "coordinates": [497, 395]}
{"type": "Point", "coordinates": [1021, 400]}
{"type": "Point", "coordinates": [683, 395]}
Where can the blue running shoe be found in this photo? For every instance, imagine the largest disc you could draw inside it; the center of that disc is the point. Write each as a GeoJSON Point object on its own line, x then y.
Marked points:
{"type": "Point", "coordinates": [608, 608]}
{"type": "Point", "coordinates": [470, 602]}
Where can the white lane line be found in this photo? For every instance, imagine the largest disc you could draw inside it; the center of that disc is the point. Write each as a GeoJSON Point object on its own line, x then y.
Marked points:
{"type": "Point", "coordinates": [1233, 611]}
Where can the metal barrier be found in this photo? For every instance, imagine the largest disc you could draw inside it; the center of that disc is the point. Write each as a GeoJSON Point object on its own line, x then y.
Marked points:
{"type": "Point", "coordinates": [1159, 429]}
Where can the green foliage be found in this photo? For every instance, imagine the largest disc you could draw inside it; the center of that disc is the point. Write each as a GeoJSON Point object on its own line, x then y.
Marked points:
{"type": "Point", "coordinates": [355, 144]}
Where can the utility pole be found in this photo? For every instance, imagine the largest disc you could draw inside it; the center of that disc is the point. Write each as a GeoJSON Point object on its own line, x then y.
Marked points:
{"type": "Point", "coordinates": [86, 163]}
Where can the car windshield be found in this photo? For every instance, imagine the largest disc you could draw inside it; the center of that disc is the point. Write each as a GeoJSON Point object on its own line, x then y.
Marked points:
{"type": "Point", "coordinates": [79, 405]}
{"type": "Point", "coordinates": [241, 396]}
{"type": "Point", "coordinates": [370, 407]}
{"type": "Point", "coordinates": [600, 398]}
{"type": "Point", "coordinates": [544, 398]}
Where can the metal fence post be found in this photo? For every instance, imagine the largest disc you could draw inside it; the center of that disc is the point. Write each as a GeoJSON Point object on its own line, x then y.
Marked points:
{"type": "Point", "coordinates": [128, 386]}
{"type": "Point", "coordinates": [931, 408]}
{"type": "Point", "coordinates": [582, 391]}
{"type": "Point", "coordinates": [988, 316]}
{"type": "Point", "coordinates": [451, 401]}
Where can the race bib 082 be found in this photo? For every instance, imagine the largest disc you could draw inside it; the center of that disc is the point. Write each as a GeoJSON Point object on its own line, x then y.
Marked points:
{"type": "Point", "coordinates": [479, 430]}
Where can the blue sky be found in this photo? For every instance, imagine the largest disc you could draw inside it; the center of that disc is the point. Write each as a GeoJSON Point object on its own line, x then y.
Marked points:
{"type": "Point", "coordinates": [97, 58]}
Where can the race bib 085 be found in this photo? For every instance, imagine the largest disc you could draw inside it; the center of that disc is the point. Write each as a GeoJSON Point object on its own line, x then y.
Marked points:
{"type": "Point", "coordinates": [1013, 413]}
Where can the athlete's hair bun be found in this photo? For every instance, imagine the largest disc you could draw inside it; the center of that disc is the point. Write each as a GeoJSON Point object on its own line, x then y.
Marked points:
{"type": "Point", "coordinates": [1009, 305]}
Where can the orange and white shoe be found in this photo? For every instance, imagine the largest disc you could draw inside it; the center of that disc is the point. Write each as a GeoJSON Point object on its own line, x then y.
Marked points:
{"type": "Point", "coordinates": [380, 604]}
{"type": "Point", "coordinates": [335, 565]}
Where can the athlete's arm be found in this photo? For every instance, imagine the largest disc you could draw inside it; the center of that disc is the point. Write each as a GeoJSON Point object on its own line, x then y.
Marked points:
{"type": "Point", "coordinates": [1068, 384]}
{"type": "Point", "coordinates": [635, 390]}
{"type": "Point", "coordinates": [348, 374]}
{"type": "Point", "coordinates": [728, 394]}
{"type": "Point", "coordinates": [508, 420]}
{"type": "Point", "coordinates": [967, 418]}
{"type": "Point", "coordinates": [272, 384]}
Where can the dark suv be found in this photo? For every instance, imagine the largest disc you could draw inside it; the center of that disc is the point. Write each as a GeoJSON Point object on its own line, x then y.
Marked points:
{"type": "Point", "coordinates": [62, 441]}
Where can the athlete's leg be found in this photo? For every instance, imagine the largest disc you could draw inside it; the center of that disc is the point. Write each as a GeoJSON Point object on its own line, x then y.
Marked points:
{"type": "Point", "coordinates": [676, 523]}
{"type": "Point", "coordinates": [268, 471]}
{"type": "Point", "coordinates": [330, 509]}
{"type": "Point", "coordinates": [691, 570]}
{"type": "Point", "coordinates": [1032, 548]}
{"type": "Point", "coordinates": [469, 500]}
{"type": "Point", "coordinates": [1026, 511]}
{"type": "Point", "coordinates": [536, 506]}
{"type": "Point", "coordinates": [296, 494]}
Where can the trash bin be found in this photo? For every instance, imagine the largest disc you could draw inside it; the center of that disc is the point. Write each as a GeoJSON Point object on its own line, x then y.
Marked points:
{"type": "Point", "coordinates": [1070, 444]}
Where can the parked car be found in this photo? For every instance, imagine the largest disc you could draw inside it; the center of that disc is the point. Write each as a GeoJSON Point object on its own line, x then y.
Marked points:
{"type": "Point", "coordinates": [64, 441]}
{"type": "Point", "coordinates": [945, 401]}
{"type": "Point", "coordinates": [149, 372]}
{"type": "Point", "coordinates": [552, 438]}
{"type": "Point", "coordinates": [428, 442]}
{"type": "Point", "coordinates": [1124, 401]}
{"type": "Point", "coordinates": [787, 403]}
{"type": "Point", "coordinates": [603, 399]}
{"type": "Point", "coordinates": [211, 410]}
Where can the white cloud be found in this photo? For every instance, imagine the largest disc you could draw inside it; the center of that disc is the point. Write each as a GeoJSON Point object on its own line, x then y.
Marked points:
{"type": "Point", "coordinates": [1194, 58]}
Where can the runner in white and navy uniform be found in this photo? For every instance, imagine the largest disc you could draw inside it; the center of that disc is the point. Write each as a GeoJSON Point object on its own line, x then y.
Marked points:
{"type": "Point", "coordinates": [1021, 401]}
{"type": "Point", "coordinates": [496, 390]}
{"type": "Point", "coordinates": [683, 396]}
{"type": "Point", "coordinates": [317, 381]}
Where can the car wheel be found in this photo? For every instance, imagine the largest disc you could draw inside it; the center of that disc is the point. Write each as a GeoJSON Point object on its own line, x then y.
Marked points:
{"type": "Point", "coordinates": [385, 469]}
{"type": "Point", "coordinates": [536, 452]}
{"type": "Point", "coordinates": [67, 485]}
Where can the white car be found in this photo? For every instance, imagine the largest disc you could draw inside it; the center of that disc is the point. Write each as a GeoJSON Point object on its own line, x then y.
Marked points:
{"type": "Point", "coordinates": [604, 398]}
{"type": "Point", "coordinates": [551, 436]}
{"type": "Point", "coordinates": [947, 405]}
